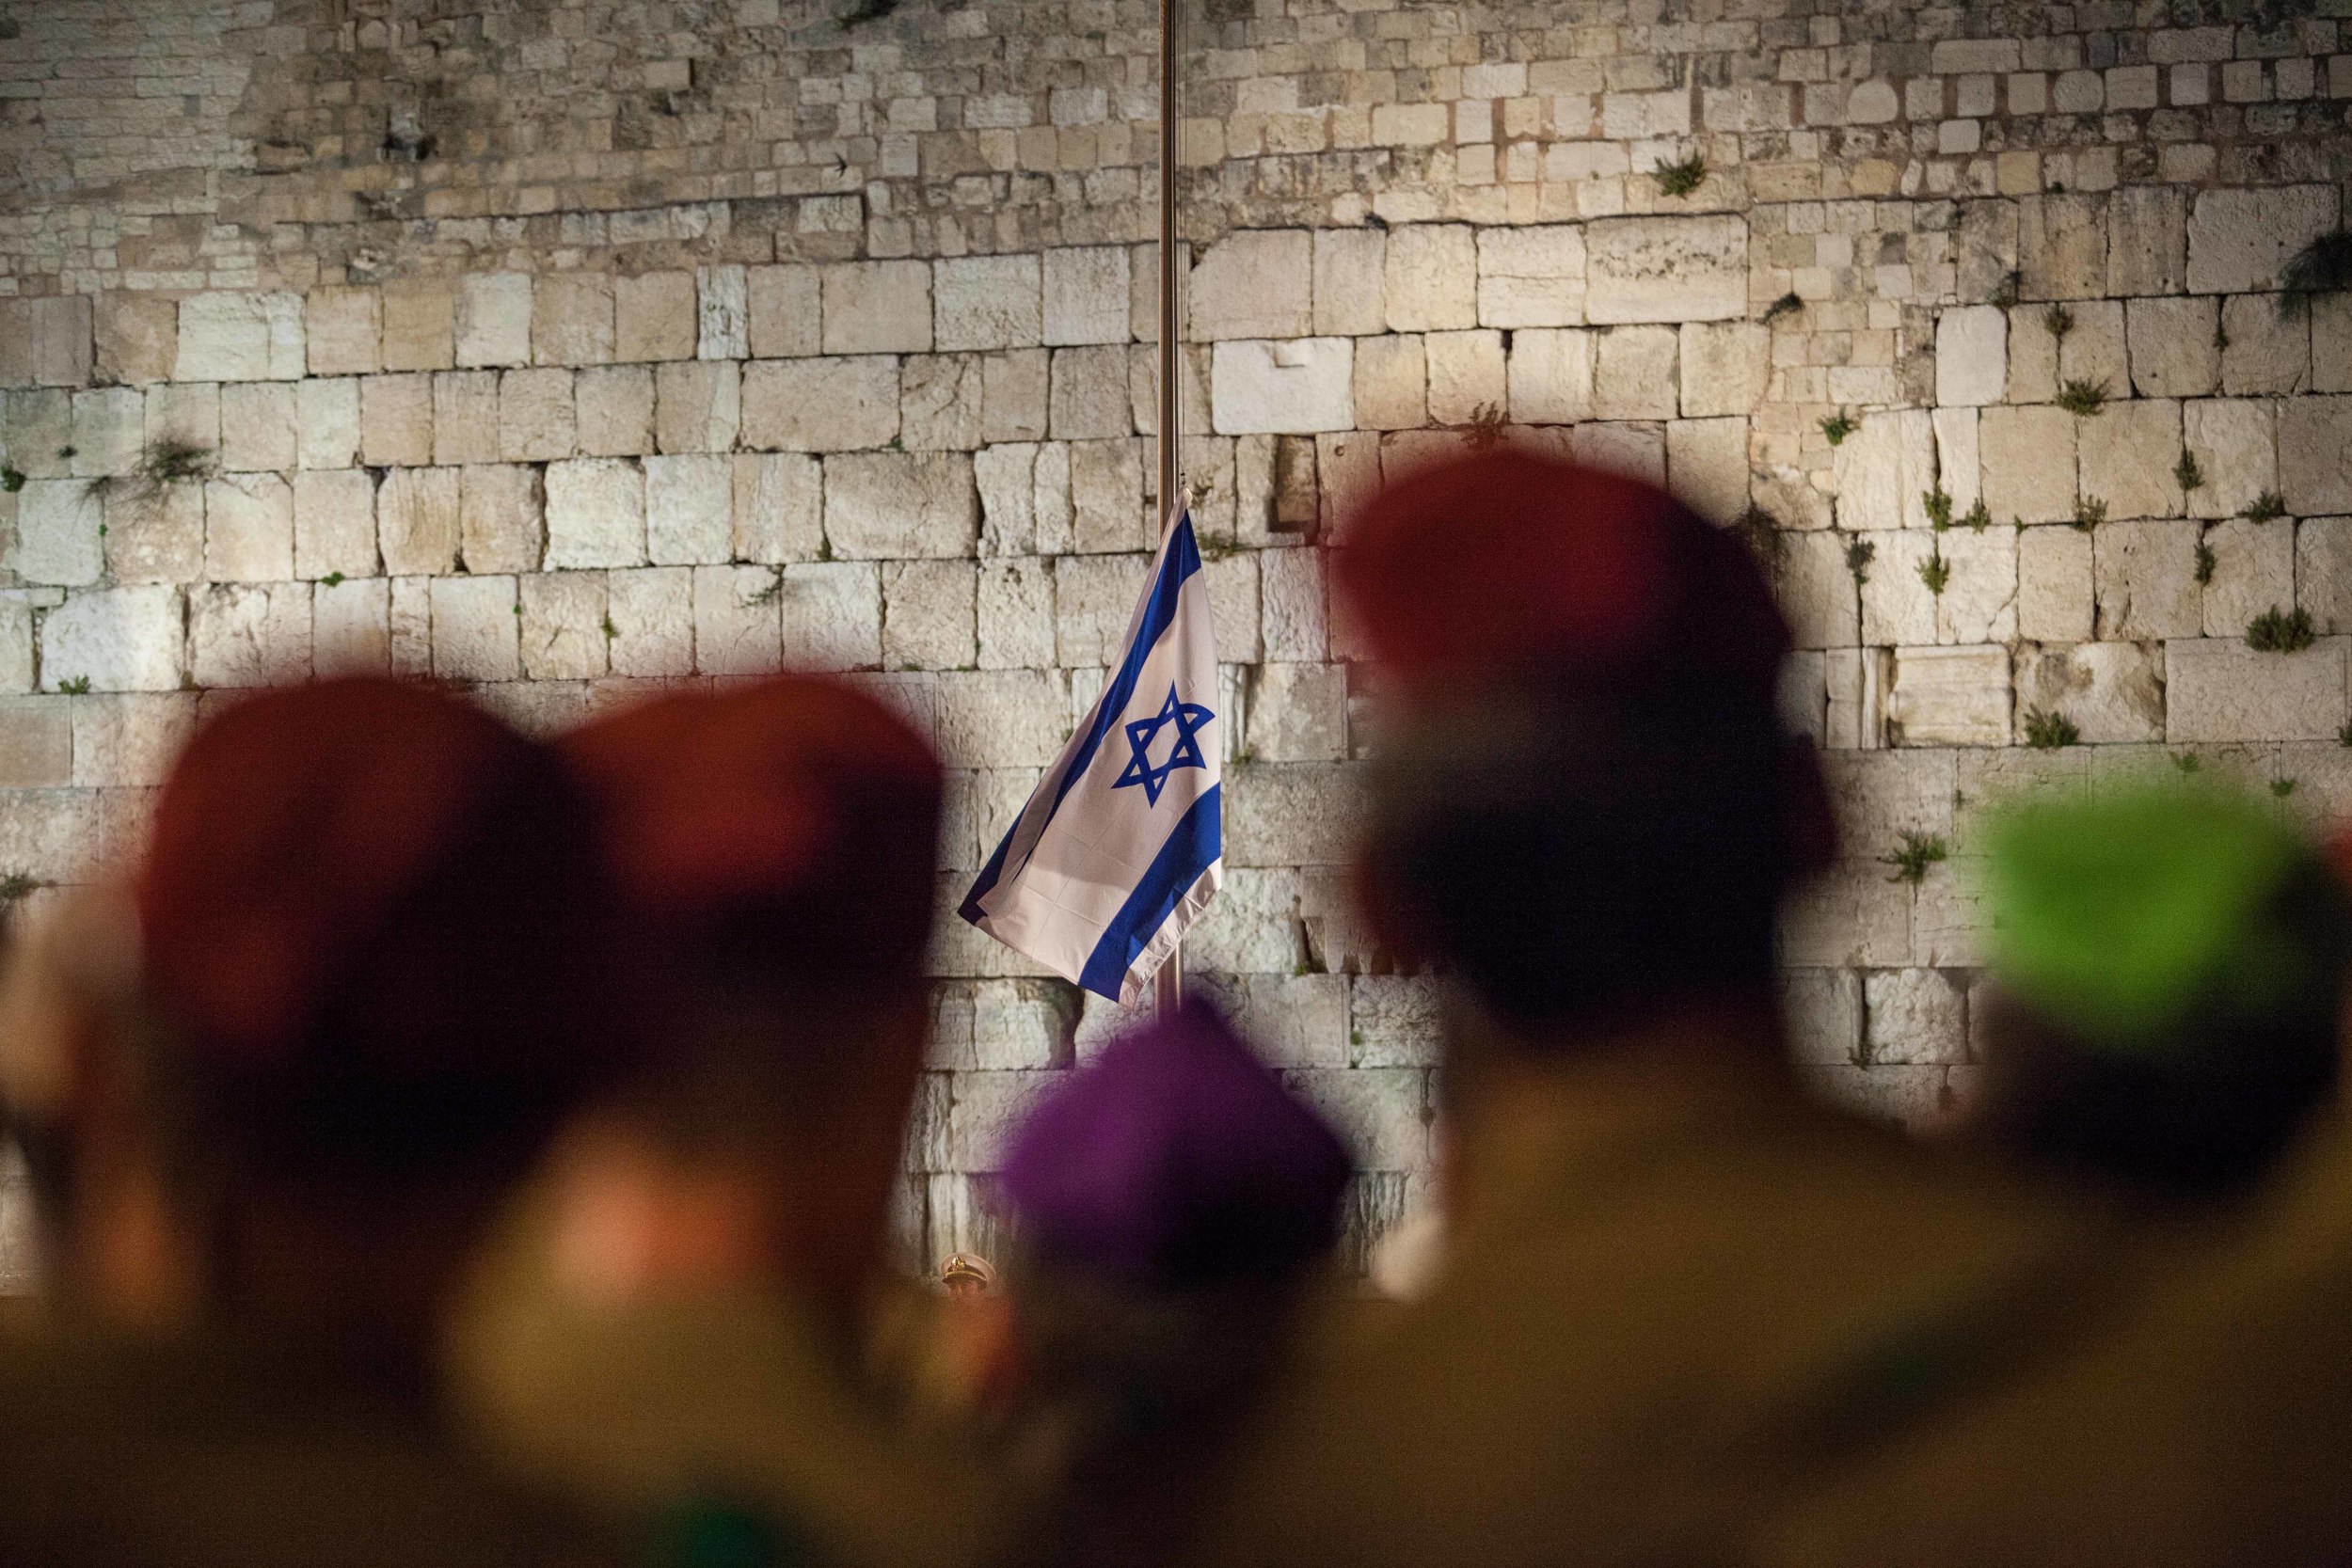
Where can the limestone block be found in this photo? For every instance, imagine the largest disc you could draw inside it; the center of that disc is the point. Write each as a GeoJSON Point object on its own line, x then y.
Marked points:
{"type": "Point", "coordinates": [1429, 278]}
{"type": "Point", "coordinates": [40, 426]}
{"type": "Point", "coordinates": [350, 627]}
{"type": "Point", "coordinates": [157, 539]}
{"type": "Point", "coordinates": [1086, 295]}
{"type": "Point", "coordinates": [1003, 717]}
{"type": "Point", "coordinates": [464, 417]}
{"type": "Point", "coordinates": [561, 634]}
{"type": "Point", "coordinates": [1348, 268]}
{"type": "Point", "coordinates": [655, 316]}
{"type": "Point", "coordinates": [1707, 467]}
{"type": "Point", "coordinates": [1290, 814]}
{"type": "Point", "coordinates": [1015, 614]}
{"type": "Point", "coordinates": [137, 340]}
{"type": "Point", "coordinates": [1007, 479]}
{"type": "Point", "coordinates": [597, 518]}
{"type": "Point", "coordinates": [537, 423]}
{"type": "Point", "coordinates": [2323, 571]}
{"type": "Point", "coordinates": [250, 634]}
{"type": "Point", "coordinates": [327, 423]}
{"type": "Point", "coordinates": [238, 337]}
{"type": "Point", "coordinates": [1299, 713]}
{"type": "Point", "coordinates": [2147, 240]}
{"type": "Point", "coordinates": [131, 738]}
{"type": "Point", "coordinates": [722, 321]}
{"type": "Point", "coordinates": [1726, 366]}
{"type": "Point", "coordinates": [419, 325]}
{"type": "Point", "coordinates": [1823, 1010]}
{"type": "Point", "coordinates": [939, 402]}
{"type": "Point", "coordinates": [929, 609]}
{"type": "Point", "coordinates": [1022, 1024]}
{"type": "Point", "coordinates": [2253, 568]}
{"type": "Point", "coordinates": [690, 507]}
{"type": "Point", "coordinates": [249, 528]}
{"type": "Point", "coordinates": [2175, 347]}
{"type": "Point", "coordinates": [820, 404]}
{"type": "Point", "coordinates": [1291, 388]}
{"type": "Point", "coordinates": [1915, 1017]}
{"type": "Point", "coordinates": [901, 505]}
{"type": "Point", "coordinates": [2062, 246]}
{"type": "Point", "coordinates": [2240, 240]}
{"type": "Point", "coordinates": [118, 640]}
{"type": "Point", "coordinates": [2056, 602]}
{"type": "Point", "coordinates": [1883, 470]}
{"type": "Point", "coordinates": [334, 523]}
{"type": "Point", "coordinates": [2028, 457]}
{"type": "Point", "coordinates": [1636, 451]}
{"type": "Point", "coordinates": [56, 528]}
{"type": "Point", "coordinates": [1949, 696]}
{"type": "Point", "coordinates": [1089, 393]}
{"type": "Point", "coordinates": [779, 507]}
{"type": "Point", "coordinates": [476, 632]}
{"type": "Point", "coordinates": [2147, 581]}
{"type": "Point", "coordinates": [2235, 444]}
{"type": "Point", "coordinates": [1293, 605]}
{"type": "Point", "coordinates": [109, 430]}
{"type": "Point", "coordinates": [47, 341]}
{"type": "Point", "coordinates": [1392, 383]}
{"type": "Point", "coordinates": [16, 643]}
{"type": "Point", "coordinates": [650, 617]}
{"type": "Point", "coordinates": [1551, 377]}
{"type": "Point", "coordinates": [1013, 395]}
{"type": "Point", "coordinates": [491, 319]}
{"type": "Point", "coordinates": [2315, 454]}
{"type": "Point", "coordinates": [1897, 606]}
{"type": "Point", "coordinates": [2331, 344]}
{"type": "Point", "coordinates": [2219, 690]}
{"type": "Point", "coordinates": [1093, 598]}
{"type": "Point", "coordinates": [408, 626]}
{"type": "Point", "coordinates": [877, 307]}
{"type": "Point", "coordinates": [395, 419]}
{"type": "Point", "coordinates": [1397, 1017]}
{"type": "Point", "coordinates": [1958, 463]}
{"type": "Point", "coordinates": [831, 615]}
{"type": "Point", "coordinates": [785, 312]}
{"type": "Point", "coordinates": [1816, 590]}
{"type": "Point", "coordinates": [1253, 283]}
{"type": "Point", "coordinates": [1379, 1113]}
{"type": "Point", "coordinates": [1106, 496]}
{"type": "Point", "coordinates": [1666, 269]}
{"type": "Point", "coordinates": [1466, 377]}
{"type": "Point", "coordinates": [2113, 691]}
{"type": "Point", "coordinates": [502, 522]}
{"type": "Point", "coordinates": [188, 413]}
{"type": "Point", "coordinates": [571, 319]}
{"type": "Point", "coordinates": [1233, 607]}
{"type": "Point", "coordinates": [613, 410]}
{"type": "Point", "coordinates": [736, 620]}
{"type": "Point", "coordinates": [419, 520]}
{"type": "Point", "coordinates": [1971, 356]}
{"type": "Point", "coordinates": [2095, 350]}
{"type": "Point", "coordinates": [1531, 276]}
{"type": "Point", "coordinates": [2130, 454]}
{"type": "Point", "coordinates": [988, 302]}
{"type": "Point", "coordinates": [2262, 351]}
{"type": "Point", "coordinates": [344, 330]}
{"type": "Point", "coordinates": [699, 406]}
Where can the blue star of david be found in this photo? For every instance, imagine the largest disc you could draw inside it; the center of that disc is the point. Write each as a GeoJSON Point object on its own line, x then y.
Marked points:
{"type": "Point", "coordinates": [1188, 717]}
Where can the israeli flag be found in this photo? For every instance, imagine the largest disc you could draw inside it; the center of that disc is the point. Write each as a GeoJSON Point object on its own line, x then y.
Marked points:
{"type": "Point", "coordinates": [1122, 845]}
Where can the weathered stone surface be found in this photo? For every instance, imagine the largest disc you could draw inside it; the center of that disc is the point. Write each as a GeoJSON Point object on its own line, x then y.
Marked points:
{"type": "Point", "coordinates": [2263, 350]}
{"type": "Point", "coordinates": [334, 523]}
{"type": "Point", "coordinates": [929, 609]}
{"type": "Point", "coordinates": [2221, 689]}
{"type": "Point", "coordinates": [118, 640]}
{"type": "Point", "coordinates": [1707, 467]}
{"type": "Point", "coordinates": [1013, 395]}
{"type": "Point", "coordinates": [1087, 293]}
{"type": "Point", "coordinates": [941, 401]}
{"type": "Point", "coordinates": [2240, 240]}
{"type": "Point", "coordinates": [2056, 602]}
{"type": "Point", "coordinates": [612, 411]}
{"type": "Point", "coordinates": [1284, 388]}
{"type": "Point", "coordinates": [1633, 374]}
{"type": "Point", "coordinates": [2253, 569]}
{"type": "Point", "coordinates": [1818, 592]}
{"type": "Point", "coordinates": [350, 627]}
{"type": "Point", "coordinates": [1666, 269]}
{"type": "Point", "coordinates": [137, 341]}
{"type": "Point", "coordinates": [897, 505]}
{"type": "Point", "coordinates": [876, 308]}
{"type": "Point", "coordinates": [1897, 604]}
{"type": "Point", "coordinates": [2130, 457]}
{"type": "Point", "coordinates": [2315, 454]}
{"type": "Point", "coordinates": [650, 617]}
{"type": "Point", "coordinates": [779, 508]}
{"type": "Point", "coordinates": [655, 316]}
{"type": "Point", "coordinates": [1089, 394]}
{"type": "Point", "coordinates": [419, 325]}
{"type": "Point", "coordinates": [1551, 377]}
{"type": "Point", "coordinates": [1348, 265]}
{"type": "Point", "coordinates": [56, 528]}
{"type": "Point", "coordinates": [698, 408]}
{"type": "Point", "coordinates": [2234, 441]}
{"type": "Point", "coordinates": [2028, 457]}
{"type": "Point", "coordinates": [1466, 377]}
{"type": "Point", "coordinates": [831, 614]}
{"type": "Point", "coordinates": [2147, 580]}
{"type": "Point", "coordinates": [1884, 471]}
{"type": "Point", "coordinates": [464, 417]}
{"type": "Point", "coordinates": [395, 419]}
{"type": "Point", "coordinates": [1253, 283]}
{"type": "Point", "coordinates": [1531, 276]}
{"type": "Point", "coordinates": [689, 505]}
{"type": "Point", "coordinates": [128, 739]}
{"type": "Point", "coordinates": [562, 632]}
{"type": "Point", "coordinates": [250, 634]}
{"type": "Point", "coordinates": [537, 423]}
{"type": "Point", "coordinates": [237, 337]}
{"type": "Point", "coordinates": [786, 312]}
{"type": "Point", "coordinates": [344, 329]}
{"type": "Point", "coordinates": [327, 423]}
{"type": "Point", "coordinates": [491, 319]}
{"type": "Point", "coordinates": [596, 514]}
{"type": "Point", "coordinates": [155, 539]}
{"type": "Point", "coordinates": [735, 628]}
{"type": "Point", "coordinates": [1971, 356]}
{"type": "Point", "coordinates": [2323, 571]}
{"type": "Point", "coordinates": [988, 302]}
{"type": "Point", "coordinates": [1726, 366]}
{"type": "Point", "coordinates": [475, 630]}
{"type": "Point", "coordinates": [2112, 691]}
{"type": "Point", "coordinates": [2175, 347]}
{"type": "Point", "coordinates": [501, 524]}
{"type": "Point", "coordinates": [418, 521]}
{"type": "Point", "coordinates": [820, 404]}
{"type": "Point", "coordinates": [571, 319]}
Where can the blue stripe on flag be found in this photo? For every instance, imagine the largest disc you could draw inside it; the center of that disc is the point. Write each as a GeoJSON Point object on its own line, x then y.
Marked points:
{"type": "Point", "coordinates": [1184, 559]}
{"type": "Point", "coordinates": [1197, 840]}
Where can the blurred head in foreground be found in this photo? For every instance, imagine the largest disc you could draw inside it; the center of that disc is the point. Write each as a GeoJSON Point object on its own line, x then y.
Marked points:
{"type": "Point", "coordinates": [1171, 1199]}
{"type": "Point", "coordinates": [776, 843]}
{"type": "Point", "coordinates": [1585, 807]}
{"type": "Point", "coordinates": [376, 969]}
{"type": "Point", "coordinates": [2171, 964]}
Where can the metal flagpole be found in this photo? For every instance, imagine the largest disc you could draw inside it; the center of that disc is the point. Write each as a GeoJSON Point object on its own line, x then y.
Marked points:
{"type": "Point", "coordinates": [1168, 987]}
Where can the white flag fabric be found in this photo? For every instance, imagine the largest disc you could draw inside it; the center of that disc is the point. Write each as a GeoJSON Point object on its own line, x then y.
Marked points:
{"type": "Point", "coordinates": [1122, 845]}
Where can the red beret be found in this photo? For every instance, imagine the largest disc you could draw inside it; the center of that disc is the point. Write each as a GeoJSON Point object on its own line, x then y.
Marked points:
{"type": "Point", "coordinates": [1512, 562]}
{"type": "Point", "coordinates": [788, 826]}
{"type": "Point", "coordinates": [370, 922]}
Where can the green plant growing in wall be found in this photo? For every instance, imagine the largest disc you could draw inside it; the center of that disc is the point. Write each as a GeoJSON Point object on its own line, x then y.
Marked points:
{"type": "Point", "coordinates": [2324, 266]}
{"type": "Point", "coordinates": [2010, 287]}
{"type": "Point", "coordinates": [1484, 431]}
{"type": "Point", "coordinates": [2206, 561]}
{"type": "Point", "coordinates": [2046, 731]}
{"type": "Point", "coordinates": [2059, 320]}
{"type": "Point", "coordinates": [2344, 735]}
{"type": "Point", "coordinates": [1682, 177]}
{"type": "Point", "coordinates": [17, 886]}
{"type": "Point", "coordinates": [1788, 304]}
{"type": "Point", "coordinates": [1839, 425]}
{"type": "Point", "coordinates": [75, 686]}
{"type": "Point", "coordinates": [2083, 398]}
{"type": "Point", "coordinates": [2187, 762]}
{"type": "Point", "coordinates": [1979, 517]}
{"type": "Point", "coordinates": [2187, 473]}
{"type": "Point", "coordinates": [1914, 855]}
{"type": "Point", "coordinates": [2269, 508]}
{"type": "Point", "coordinates": [2282, 787]}
{"type": "Point", "coordinates": [1859, 554]}
{"type": "Point", "coordinates": [1937, 503]}
{"type": "Point", "coordinates": [1936, 573]}
{"type": "Point", "coordinates": [769, 593]}
{"type": "Point", "coordinates": [2278, 631]}
{"type": "Point", "coordinates": [2090, 511]}
{"type": "Point", "coordinates": [611, 631]}
{"type": "Point", "coordinates": [12, 480]}
{"type": "Point", "coordinates": [168, 460]}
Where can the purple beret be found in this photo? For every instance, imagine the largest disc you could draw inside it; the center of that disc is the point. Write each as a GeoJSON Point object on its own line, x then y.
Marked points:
{"type": "Point", "coordinates": [1174, 1159]}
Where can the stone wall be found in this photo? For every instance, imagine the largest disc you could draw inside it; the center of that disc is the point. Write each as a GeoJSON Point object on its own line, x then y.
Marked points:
{"type": "Point", "coordinates": [561, 348]}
